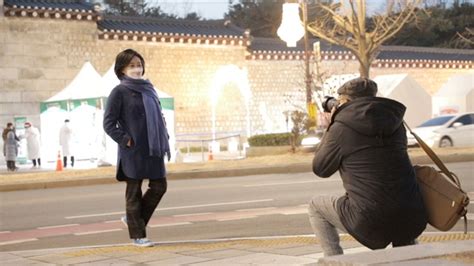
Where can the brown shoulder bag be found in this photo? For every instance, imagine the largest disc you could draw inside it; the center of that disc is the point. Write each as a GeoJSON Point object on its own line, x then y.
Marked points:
{"type": "Point", "coordinates": [444, 199]}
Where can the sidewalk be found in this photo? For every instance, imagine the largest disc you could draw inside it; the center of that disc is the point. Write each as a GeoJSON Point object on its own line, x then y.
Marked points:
{"type": "Point", "coordinates": [450, 248]}
{"type": "Point", "coordinates": [286, 163]}
{"type": "Point", "coordinates": [438, 249]}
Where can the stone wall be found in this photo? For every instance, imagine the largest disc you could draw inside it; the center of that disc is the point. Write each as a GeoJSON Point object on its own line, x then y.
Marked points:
{"type": "Point", "coordinates": [39, 57]}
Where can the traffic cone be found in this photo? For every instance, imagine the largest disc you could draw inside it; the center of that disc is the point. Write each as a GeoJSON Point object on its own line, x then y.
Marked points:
{"type": "Point", "coordinates": [210, 157]}
{"type": "Point", "coordinates": [59, 162]}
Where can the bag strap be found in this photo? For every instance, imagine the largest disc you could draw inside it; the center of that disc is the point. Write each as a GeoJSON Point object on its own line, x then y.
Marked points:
{"type": "Point", "coordinates": [434, 157]}
{"type": "Point", "coordinates": [440, 165]}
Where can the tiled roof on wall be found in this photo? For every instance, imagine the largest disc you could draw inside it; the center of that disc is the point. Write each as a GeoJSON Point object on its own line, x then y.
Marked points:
{"type": "Point", "coordinates": [389, 56]}
{"type": "Point", "coordinates": [56, 9]}
{"type": "Point", "coordinates": [225, 33]}
{"type": "Point", "coordinates": [423, 57]}
{"type": "Point", "coordinates": [170, 26]}
{"type": "Point", "coordinates": [170, 30]}
{"type": "Point", "coordinates": [424, 53]}
{"type": "Point", "coordinates": [66, 4]}
{"type": "Point", "coordinates": [273, 48]}
{"type": "Point", "coordinates": [274, 44]}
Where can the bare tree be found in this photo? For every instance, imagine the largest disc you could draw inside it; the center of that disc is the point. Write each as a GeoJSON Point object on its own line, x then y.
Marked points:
{"type": "Point", "coordinates": [467, 36]}
{"type": "Point", "coordinates": [346, 25]}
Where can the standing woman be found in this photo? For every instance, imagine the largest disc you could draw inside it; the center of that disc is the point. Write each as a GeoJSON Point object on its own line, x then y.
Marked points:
{"type": "Point", "coordinates": [134, 120]}
{"type": "Point", "coordinates": [11, 148]}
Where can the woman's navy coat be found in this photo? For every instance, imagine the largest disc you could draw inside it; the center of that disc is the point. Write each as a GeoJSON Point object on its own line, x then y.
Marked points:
{"type": "Point", "coordinates": [125, 119]}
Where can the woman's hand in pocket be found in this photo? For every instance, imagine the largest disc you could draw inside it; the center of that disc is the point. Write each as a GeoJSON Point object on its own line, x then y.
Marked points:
{"type": "Point", "coordinates": [129, 143]}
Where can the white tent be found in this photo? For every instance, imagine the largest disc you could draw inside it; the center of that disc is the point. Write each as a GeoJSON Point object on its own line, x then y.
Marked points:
{"type": "Point", "coordinates": [399, 87]}
{"type": "Point", "coordinates": [109, 153]}
{"type": "Point", "coordinates": [81, 101]}
{"type": "Point", "coordinates": [85, 85]}
{"type": "Point", "coordinates": [402, 88]}
{"type": "Point", "coordinates": [455, 96]}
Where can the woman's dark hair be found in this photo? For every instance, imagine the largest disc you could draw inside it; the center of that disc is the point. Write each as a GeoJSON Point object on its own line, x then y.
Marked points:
{"type": "Point", "coordinates": [123, 59]}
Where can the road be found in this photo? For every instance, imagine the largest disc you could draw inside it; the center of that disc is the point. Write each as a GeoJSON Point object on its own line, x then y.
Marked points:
{"type": "Point", "coordinates": [232, 207]}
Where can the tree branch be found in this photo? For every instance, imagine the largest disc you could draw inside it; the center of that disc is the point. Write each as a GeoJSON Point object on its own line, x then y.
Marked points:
{"type": "Point", "coordinates": [397, 23]}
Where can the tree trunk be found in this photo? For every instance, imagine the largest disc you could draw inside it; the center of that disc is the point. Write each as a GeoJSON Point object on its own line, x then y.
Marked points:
{"type": "Point", "coordinates": [364, 57]}
{"type": "Point", "coordinates": [364, 68]}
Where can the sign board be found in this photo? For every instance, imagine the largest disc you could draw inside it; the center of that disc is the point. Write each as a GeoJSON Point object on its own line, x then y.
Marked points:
{"type": "Point", "coordinates": [19, 123]}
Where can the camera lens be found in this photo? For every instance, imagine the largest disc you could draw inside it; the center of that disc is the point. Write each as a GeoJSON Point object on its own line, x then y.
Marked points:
{"type": "Point", "coordinates": [329, 103]}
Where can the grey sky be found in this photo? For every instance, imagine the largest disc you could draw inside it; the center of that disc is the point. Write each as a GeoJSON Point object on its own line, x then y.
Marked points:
{"type": "Point", "coordinates": [215, 9]}
{"type": "Point", "coordinates": [208, 9]}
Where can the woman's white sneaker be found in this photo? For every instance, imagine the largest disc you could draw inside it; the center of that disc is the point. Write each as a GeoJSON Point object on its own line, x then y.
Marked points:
{"type": "Point", "coordinates": [123, 219]}
{"type": "Point", "coordinates": [142, 242]}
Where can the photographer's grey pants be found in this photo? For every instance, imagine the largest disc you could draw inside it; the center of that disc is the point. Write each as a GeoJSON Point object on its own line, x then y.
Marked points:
{"type": "Point", "coordinates": [325, 222]}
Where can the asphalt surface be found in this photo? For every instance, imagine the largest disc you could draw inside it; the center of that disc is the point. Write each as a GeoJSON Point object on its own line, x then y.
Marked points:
{"type": "Point", "coordinates": [451, 248]}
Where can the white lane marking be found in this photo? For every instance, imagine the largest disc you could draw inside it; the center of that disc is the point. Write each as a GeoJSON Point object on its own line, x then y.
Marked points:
{"type": "Point", "coordinates": [57, 226]}
{"type": "Point", "coordinates": [236, 218]}
{"type": "Point", "coordinates": [97, 232]}
{"type": "Point", "coordinates": [94, 215]}
{"type": "Point", "coordinates": [112, 221]}
{"type": "Point", "coordinates": [192, 214]}
{"type": "Point", "coordinates": [292, 212]}
{"type": "Point", "coordinates": [293, 183]}
{"type": "Point", "coordinates": [5, 232]}
{"type": "Point", "coordinates": [173, 208]}
{"type": "Point", "coordinates": [164, 225]}
{"type": "Point", "coordinates": [17, 241]}
{"type": "Point", "coordinates": [257, 209]}
{"type": "Point", "coordinates": [216, 204]}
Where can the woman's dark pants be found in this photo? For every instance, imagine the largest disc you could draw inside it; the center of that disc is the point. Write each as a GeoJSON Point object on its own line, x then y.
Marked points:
{"type": "Point", "coordinates": [140, 208]}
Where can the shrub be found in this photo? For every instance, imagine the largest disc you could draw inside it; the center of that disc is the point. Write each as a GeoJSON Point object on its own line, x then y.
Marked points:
{"type": "Point", "coordinates": [198, 149]}
{"type": "Point", "coordinates": [277, 139]}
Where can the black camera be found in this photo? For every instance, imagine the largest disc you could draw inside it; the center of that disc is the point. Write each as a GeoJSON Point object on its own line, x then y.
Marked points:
{"type": "Point", "coordinates": [329, 103]}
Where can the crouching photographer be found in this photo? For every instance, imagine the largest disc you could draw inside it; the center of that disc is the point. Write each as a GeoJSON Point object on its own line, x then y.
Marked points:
{"type": "Point", "coordinates": [366, 142]}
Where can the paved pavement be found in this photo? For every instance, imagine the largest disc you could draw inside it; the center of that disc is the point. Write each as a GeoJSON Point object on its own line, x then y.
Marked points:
{"type": "Point", "coordinates": [451, 248]}
{"type": "Point", "coordinates": [439, 249]}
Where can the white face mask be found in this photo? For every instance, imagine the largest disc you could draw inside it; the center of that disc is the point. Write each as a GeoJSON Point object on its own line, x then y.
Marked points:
{"type": "Point", "coordinates": [134, 73]}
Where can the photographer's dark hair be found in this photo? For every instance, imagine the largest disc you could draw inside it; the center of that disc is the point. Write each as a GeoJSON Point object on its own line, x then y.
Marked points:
{"type": "Point", "coordinates": [123, 59]}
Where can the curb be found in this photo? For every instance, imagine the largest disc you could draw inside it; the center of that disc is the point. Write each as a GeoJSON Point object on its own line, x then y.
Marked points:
{"type": "Point", "coordinates": [422, 254]}
{"type": "Point", "coordinates": [280, 169]}
{"type": "Point", "coordinates": [439, 248]}
{"type": "Point", "coordinates": [290, 168]}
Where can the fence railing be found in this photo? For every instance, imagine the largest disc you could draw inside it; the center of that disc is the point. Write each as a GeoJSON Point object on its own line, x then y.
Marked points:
{"type": "Point", "coordinates": [226, 145]}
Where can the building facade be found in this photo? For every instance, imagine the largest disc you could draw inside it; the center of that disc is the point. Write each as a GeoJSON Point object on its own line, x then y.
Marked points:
{"type": "Point", "coordinates": [215, 71]}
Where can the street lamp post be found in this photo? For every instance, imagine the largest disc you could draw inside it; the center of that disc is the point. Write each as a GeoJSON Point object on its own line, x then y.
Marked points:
{"type": "Point", "coordinates": [291, 31]}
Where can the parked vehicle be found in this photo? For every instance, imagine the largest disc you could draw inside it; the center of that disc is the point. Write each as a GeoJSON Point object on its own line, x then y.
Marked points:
{"type": "Point", "coordinates": [456, 130]}
{"type": "Point", "coordinates": [310, 141]}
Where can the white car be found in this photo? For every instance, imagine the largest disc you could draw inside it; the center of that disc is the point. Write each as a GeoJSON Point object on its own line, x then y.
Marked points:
{"type": "Point", "coordinates": [310, 142]}
{"type": "Point", "coordinates": [455, 130]}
